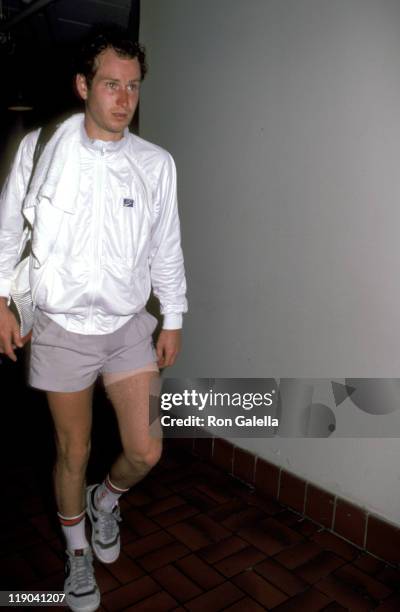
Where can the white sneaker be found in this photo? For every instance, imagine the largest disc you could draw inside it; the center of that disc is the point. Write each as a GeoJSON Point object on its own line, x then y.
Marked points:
{"type": "Point", "coordinates": [105, 530]}
{"type": "Point", "coordinates": [81, 591]}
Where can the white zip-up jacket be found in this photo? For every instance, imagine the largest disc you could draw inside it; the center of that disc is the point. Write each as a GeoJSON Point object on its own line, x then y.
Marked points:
{"type": "Point", "coordinates": [97, 258]}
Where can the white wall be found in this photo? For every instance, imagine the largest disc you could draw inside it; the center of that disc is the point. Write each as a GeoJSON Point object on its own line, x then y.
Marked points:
{"type": "Point", "coordinates": [284, 120]}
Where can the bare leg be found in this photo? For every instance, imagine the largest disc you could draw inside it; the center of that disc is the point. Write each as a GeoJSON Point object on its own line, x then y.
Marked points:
{"type": "Point", "coordinates": [132, 398]}
{"type": "Point", "coordinates": [72, 416]}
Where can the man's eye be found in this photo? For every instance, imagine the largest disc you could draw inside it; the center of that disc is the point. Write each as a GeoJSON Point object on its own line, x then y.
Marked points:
{"type": "Point", "coordinates": [111, 85]}
{"type": "Point", "coordinates": [133, 87]}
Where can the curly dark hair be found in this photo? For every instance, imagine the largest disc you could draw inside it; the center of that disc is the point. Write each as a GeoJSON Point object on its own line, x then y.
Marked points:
{"type": "Point", "coordinates": [107, 36]}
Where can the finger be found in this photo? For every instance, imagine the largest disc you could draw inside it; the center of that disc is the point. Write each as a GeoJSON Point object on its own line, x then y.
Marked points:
{"type": "Point", "coordinates": [159, 350]}
{"type": "Point", "coordinates": [17, 337]}
{"type": "Point", "coordinates": [170, 359]}
{"type": "Point", "coordinates": [9, 352]}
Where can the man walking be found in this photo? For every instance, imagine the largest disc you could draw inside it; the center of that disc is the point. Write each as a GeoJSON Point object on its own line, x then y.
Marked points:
{"type": "Point", "coordinates": [102, 203]}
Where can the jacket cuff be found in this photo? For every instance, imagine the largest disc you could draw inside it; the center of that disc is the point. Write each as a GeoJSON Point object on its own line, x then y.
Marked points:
{"type": "Point", "coordinates": [5, 286]}
{"type": "Point", "coordinates": [172, 321]}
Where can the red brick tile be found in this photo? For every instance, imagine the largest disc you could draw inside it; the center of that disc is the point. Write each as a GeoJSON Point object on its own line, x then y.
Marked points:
{"type": "Point", "coordinates": [319, 567]}
{"type": "Point", "coordinates": [345, 594]}
{"type": "Point", "coordinates": [262, 591]}
{"type": "Point", "coordinates": [16, 573]}
{"type": "Point", "coordinates": [163, 556]}
{"type": "Point", "coordinates": [55, 582]}
{"type": "Point", "coordinates": [197, 499]}
{"type": "Point", "coordinates": [247, 516]}
{"type": "Point", "coordinates": [389, 576]}
{"type": "Point", "coordinates": [297, 522]}
{"type": "Point", "coordinates": [215, 492]}
{"type": "Point", "coordinates": [217, 599]}
{"type": "Point", "coordinates": [139, 523]}
{"type": "Point", "coordinates": [240, 561]}
{"type": "Point", "coordinates": [331, 542]}
{"type": "Point", "coordinates": [124, 569]}
{"type": "Point", "coordinates": [136, 497]}
{"type": "Point", "coordinates": [127, 595]}
{"type": "Point", "coordinates": [124, 505]}
{"type": "Point", "coordinates": [126, 534]}
{"type": "Point", "coordinates": [335, 607]}
{"type": "Point", "coordinates": [199, 531]}
{"type": "Point", "coordinates": [142, 546]}
{"type": "Point", "coordinates": [44, 526]}
{"type": "Point", "coordinates": [292, 491]}
{"type": "Point", "coordinates": [203, 447]}
{"type": "Point", "coordinates": [160, 602]}
{"type": "Point", "coordinates": [243, 465]}
{"type": "Point", "coordinates": [270, 536]}
{"type": "Point", "coordinates": [391, 604]}
{"type": "Point", "coordinates": [175, 515]}
{"type": "Point", "coordinates": [307, 528]}
{"type": "Point", "coordinates": [289, 518]}
{"type": "Point", "coordinates": [155, 489]}
{"type": "Point", "coordinates": [225, 510]}
{"type": "Point", "coordinates": [350, 522]}
{"type": "Point", "coordinates": [43, 559]}
{"type": "Point", "coordinates": [184, 467]}
{"type": "Point", "coordinates": [267, 478]}
{"type": "Point", "coordinates": [283, 579]}
{"type": "Point", "coordinates": [182, 444]}
{"type": "Point", "coordinates": [32, 505]}
{"type": "Point", "coordinates": [186, 482]}
{"type": "Point", "coordinates": [245, 605]}
{"type": "Point", "coordinates": [269, 506]}
{"type": "Point", "coordinates": [307, 601]}
{"type": "Point", "coordinates": [169, 462]}
{"type": "Point", "coordinates": [164, 504]}
{"type": "Point", "coordinates": [200, 572]}
{"type": "Point", "coordinates": [223, 454]}
{"type": "Point", "coordinates": [298, 555]}
{"type": "Point", "coordinates": [319, 505]}
{"type": "Point", "coordinates": [383, 540]}
{"type": "Point", "coordinates": [176, 583]}
{"type": "Point", "coordinates": [220, 550]}
{"type": "Point", "coordinates": [19, 537]}
{"type": "Point", "coordinates": [369, 564]}
{"type": "Point", "coordinates": [105, 580]}
{"type": "Point", "coordinates": [357, 579]}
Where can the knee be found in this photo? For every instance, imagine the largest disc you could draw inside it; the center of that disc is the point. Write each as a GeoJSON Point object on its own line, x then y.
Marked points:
{"type": "Point", "coordinates": [148, 455]}
{"type": "Point", "coordinates": [73, 456]}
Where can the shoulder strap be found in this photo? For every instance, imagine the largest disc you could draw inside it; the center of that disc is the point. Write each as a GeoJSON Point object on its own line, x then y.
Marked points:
{"type": "Point", "coordinates": [46, 132]}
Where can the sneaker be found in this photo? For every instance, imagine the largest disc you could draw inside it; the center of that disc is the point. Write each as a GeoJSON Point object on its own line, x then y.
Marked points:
{"type": "Point", "coordinates": [80, 587]}
{"type": "Point", "coordinates": [105, 530]}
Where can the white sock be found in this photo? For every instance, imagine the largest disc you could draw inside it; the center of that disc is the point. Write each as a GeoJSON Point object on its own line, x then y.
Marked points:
{"type": "Point", "coordinates": [107, 495]}
{"type": "Point", "coordinates": [73, 528]}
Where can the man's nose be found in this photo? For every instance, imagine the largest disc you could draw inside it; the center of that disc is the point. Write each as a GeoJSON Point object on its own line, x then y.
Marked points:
{"type": "Point", "coordinates": [122, 98]}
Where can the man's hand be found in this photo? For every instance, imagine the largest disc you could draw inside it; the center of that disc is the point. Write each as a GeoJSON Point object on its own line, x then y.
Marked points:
{"type": "Point", "coordinates": [168, 347]}
{"type": "Point", "coordinates": [9, 331]}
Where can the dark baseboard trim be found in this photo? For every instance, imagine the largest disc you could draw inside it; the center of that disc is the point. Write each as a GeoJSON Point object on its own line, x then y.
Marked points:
{"type": "Point", "coordinates": [357, 525]}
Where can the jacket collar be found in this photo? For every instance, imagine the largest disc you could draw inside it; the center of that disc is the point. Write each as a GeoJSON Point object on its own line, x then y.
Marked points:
{"type": "Point", "coordinates": [103, 146]}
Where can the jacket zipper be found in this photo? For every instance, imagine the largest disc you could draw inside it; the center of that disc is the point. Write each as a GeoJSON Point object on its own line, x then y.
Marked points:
{"type": "Point", "coordinates": [96, 233]}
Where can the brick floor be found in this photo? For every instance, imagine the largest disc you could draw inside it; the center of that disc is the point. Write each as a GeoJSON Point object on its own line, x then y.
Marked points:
{"type": "Point", "coordinates": [196, 539]}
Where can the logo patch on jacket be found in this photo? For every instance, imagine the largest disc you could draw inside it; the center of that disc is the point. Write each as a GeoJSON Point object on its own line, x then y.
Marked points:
{"type": "Point", "coordinates": [129, 202]}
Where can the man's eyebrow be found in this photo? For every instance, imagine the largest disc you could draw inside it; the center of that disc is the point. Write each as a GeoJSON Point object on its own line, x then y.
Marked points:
{"type": "Point", "coordinates": [106, 78]}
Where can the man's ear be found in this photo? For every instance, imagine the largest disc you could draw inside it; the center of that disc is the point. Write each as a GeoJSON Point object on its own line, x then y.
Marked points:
{"type": "Point", "coordinates": [81, 86]}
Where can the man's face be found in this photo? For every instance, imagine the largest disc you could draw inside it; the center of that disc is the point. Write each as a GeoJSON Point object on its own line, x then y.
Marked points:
{"type": "Point", "coordinates": [113, 96]}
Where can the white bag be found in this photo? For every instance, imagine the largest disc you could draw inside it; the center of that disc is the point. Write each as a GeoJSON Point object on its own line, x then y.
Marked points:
{"type": "Point", "coordinates": [20, 292]}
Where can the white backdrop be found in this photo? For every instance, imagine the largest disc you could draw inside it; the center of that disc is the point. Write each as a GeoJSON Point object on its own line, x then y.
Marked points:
{"type": "Point", "coordinates": [284, 120]}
